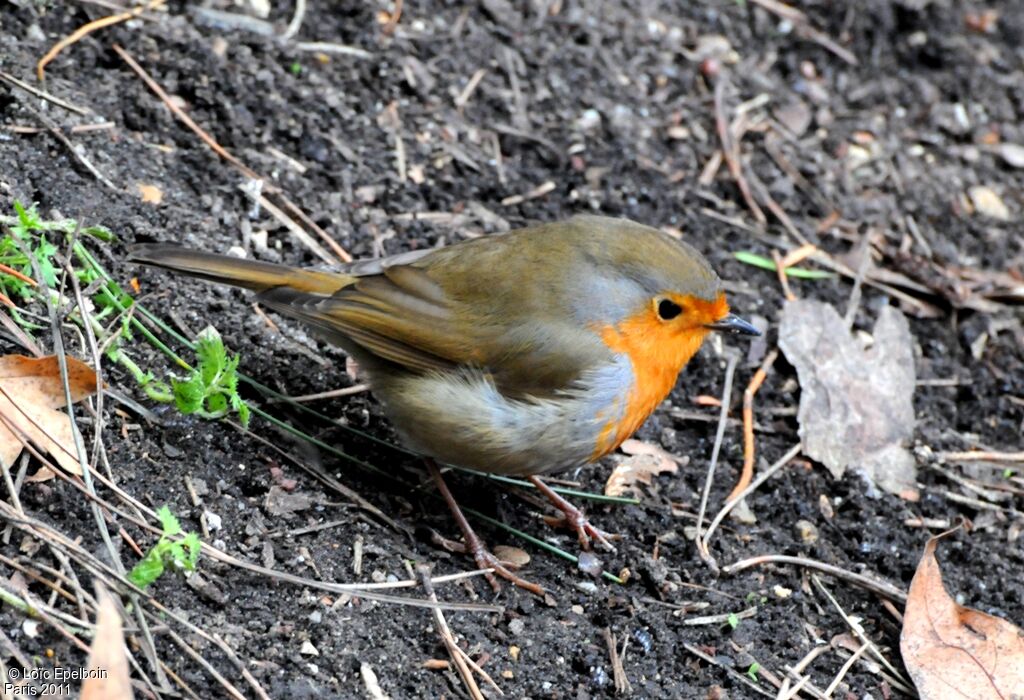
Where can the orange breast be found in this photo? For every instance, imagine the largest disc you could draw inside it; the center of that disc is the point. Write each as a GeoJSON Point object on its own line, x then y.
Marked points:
{"type": "Point", "coordinates": [658, 351]}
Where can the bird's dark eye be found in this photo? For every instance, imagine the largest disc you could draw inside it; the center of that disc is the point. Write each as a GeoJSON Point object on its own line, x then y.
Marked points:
{"type": "Point", "coordinates": [668, 309]}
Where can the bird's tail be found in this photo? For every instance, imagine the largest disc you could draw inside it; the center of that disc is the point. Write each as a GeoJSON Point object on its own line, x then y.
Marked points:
{"type": "Point", "coordinates": [238, 272]}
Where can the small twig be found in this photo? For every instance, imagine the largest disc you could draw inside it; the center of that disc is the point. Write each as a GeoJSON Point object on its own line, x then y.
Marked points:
{"type": "Point", "coordinates": [90, 27]}
{"type": "Point", "coordinates": [780, 271]}
{"type": "Point", "coordinates": [42, 94]}
{"type": "Point", "coordinates": [538, 191]}
{"type": "Point", "coordinates": [882, 588]}
{"type": "Point", "coordinates": [329, 47]}
{"type": "Point", "coordinates": [733, 500]}
{"type": "Point", "coordinates": [332, 394]}
{"type": "Point", "coordinates": [858, 631]}
{"type": "Point", "coordinates": [981, 456]}
{"type": "Point", "coordinates": [76, 153]}
{"type": "Point", "coordinates": [731, 671]}
{"type": "Point", "coordinates": [749, 449]}
{"type": "Point", "coordinates": [804, 28]}
{"type": "Point", "coordinates": [463, 97]}
{"type": "Point", "coordinates": [449, 642]}
{"type": "Point", "coordinates": [622, 685]}
{"type": "Point", "coordinates": [723, 619]}
{"type": "Point", "coordinates": [296, 22]}
{"type": "Point", "coordinates": [846, 669]}
{"type": "Point", "coordinates": [730, 151]}
{"type": "Point", "coordinates": [730, 369]}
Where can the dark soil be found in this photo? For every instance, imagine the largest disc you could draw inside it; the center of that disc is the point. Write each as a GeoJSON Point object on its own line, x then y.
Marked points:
{"type": "Point", "coordinates": [606, 101]}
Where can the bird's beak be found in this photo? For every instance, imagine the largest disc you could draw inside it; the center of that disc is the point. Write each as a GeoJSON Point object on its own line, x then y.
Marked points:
{"type": "Point", "coordinates": [733, 324]}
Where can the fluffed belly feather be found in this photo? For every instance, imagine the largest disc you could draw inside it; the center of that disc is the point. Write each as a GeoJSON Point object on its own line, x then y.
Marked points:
{"type": "Point", "coordinates": [462, 418]}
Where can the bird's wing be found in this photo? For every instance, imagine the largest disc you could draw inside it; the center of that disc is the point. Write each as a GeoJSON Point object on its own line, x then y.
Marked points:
{"type": "Point", "coordinates": [404, 316]}
{"type": "Point", "coordinates": [398, 314]}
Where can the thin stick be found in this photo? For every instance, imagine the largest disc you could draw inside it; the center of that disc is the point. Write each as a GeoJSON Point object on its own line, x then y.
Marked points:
{"type": "Point", "coordinates": [780, 271]}
{"type": "Point", "coordinates": [880, 587]}
{"type": "Point", "coordinates": [332, 394]}
{"type": "Point", "coordinates": [449, 642]}
{"type": "Point", "coordinates": [846, 669]}
{"type": "Point", "coordinates": [42, 94]}
{"type": "Point", "coordinates": [732, 672]}
{"type": "Point", "coordinates": [730, 151]}
{"type": "Point", "coordinates": [858, 631]}
{"type": "Point", "coordinates": [296, 22]}
{"type": "Point", "coordinates": [981, 456]}
{"type": "Point", "coordinates": [76, 153]}
{"type": "Point", "coordinates": [730, 369]}
{"type": "Point", "coordinates": [622, 685]}
{"type": "Point", "coordinates": [749, 449]}
{"type": "Point", "coordinates": [804, 28]}
{"type": "Point", "coordinates": [733, 500]}
{"type": "Point", "coordinates": [90, 27]}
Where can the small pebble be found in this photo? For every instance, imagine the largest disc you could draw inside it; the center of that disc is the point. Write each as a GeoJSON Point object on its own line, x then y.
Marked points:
{"type": "Point", "coordinates": [807, 531]}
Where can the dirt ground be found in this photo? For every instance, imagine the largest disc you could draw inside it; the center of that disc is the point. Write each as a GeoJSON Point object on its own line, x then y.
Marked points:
{"type": "Point", "coordinates": [467, 119]}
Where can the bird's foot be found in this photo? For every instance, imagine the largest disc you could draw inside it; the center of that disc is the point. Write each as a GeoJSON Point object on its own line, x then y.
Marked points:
{"type": "Point", "coordinates": [475, 547]}
{"type": "Point", "coordinates": [574, 519]}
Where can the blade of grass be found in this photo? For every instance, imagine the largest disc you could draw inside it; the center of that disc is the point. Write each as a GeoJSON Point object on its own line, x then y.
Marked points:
{"type": "Point", "coordinates": [748, 258]}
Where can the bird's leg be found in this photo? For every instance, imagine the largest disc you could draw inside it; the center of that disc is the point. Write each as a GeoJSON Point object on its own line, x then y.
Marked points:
{"type": "Point", "coordinates": [574, 518]}
{"type": "Point", "coordinates": [474, 545]}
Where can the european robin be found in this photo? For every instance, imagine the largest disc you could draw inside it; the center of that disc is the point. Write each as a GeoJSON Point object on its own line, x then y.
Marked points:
{"type": "Point", "coordinates": [523, 353]}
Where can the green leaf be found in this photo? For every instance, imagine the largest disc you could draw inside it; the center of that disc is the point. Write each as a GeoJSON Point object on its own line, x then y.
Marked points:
{"type": "Point", "coordinates": [211, 354]}
{"type": "Point", "coordinates": [241, 408]}
{"type": "Point", "coordinates": [194, 546]}
{"type": "Point", "coordinates": [189, 394]}
{"type": "Point", "coordinates": [748, 258]}
{"type": "Point", "coordinates": [148, 569]}
{"type": "Point", "coordinates": [752, 671]}
{"type": "Point", "coordinates": [168, 522]}
{"type": "Point", "coordinates": [733, 620]}
{"type": "Point", "coordinates": [217, 404]}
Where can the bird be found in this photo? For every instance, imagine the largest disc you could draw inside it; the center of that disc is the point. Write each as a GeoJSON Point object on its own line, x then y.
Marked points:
{"type": "Point", "coordinates": [522, 353]}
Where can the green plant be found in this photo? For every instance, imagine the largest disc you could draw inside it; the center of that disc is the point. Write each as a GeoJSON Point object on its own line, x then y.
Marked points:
{"type": "Point", "coordinates": [748, 258]}
{"type": "Point", "coordinates": [211, 390]}
{"type": "Point", "coordinates": [733, 620]}
{"type": "Point", "coordinates": [752, 671]}
{"type": "Point", "coordinates": [181, 554]}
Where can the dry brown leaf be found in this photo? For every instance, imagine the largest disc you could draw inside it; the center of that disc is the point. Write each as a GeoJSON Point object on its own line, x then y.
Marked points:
{"type": "Point", "coordinates": [644, 462]}
{"type": "Point", "coordinates": [955, 652]}
{"type": "Point", "coordinates": [30, 394]}
{"type": "Point", "coordinates": [109, 678]}
{"type": "Point", "coordinates": [856, 403]}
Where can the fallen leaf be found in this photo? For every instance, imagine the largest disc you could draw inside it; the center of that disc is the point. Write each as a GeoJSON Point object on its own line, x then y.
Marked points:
{"type": "Point", "coordinates": [856, 405]}
{"type": "Point", "coordinates": [30, 394]}
{"type": "Point", "coordinates": [955, 652]}
{"type": "Point", "coordinates": [108, 663]}
{"type": "Point", "coordinates": [151, 194]}
{"type": "Point", "coordinates": [644, 462]}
